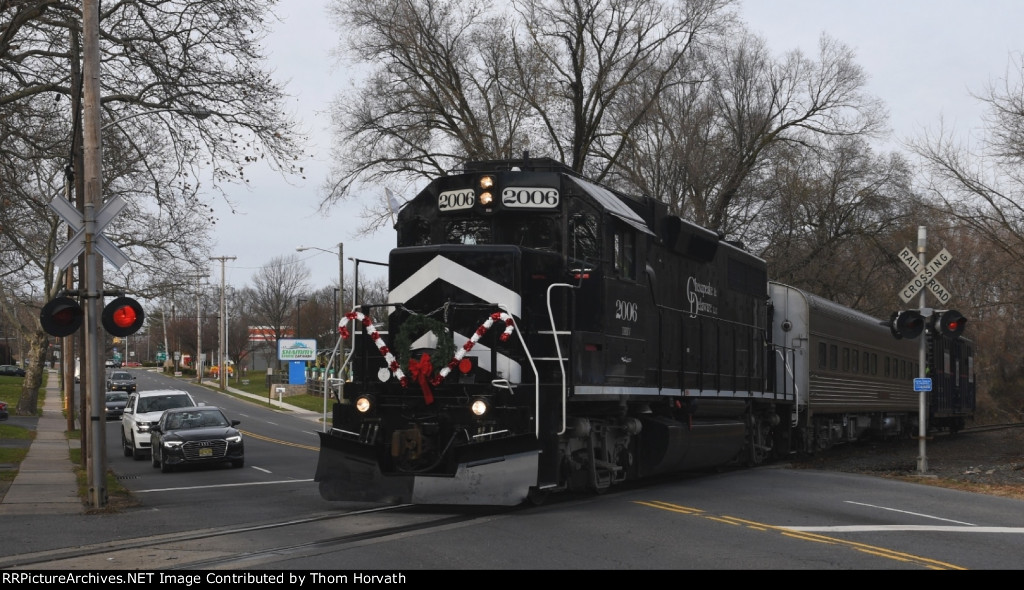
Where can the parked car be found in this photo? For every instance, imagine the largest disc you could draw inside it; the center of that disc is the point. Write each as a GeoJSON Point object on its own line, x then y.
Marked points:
{"type": "Point", "coordinates": [142, 412]}
{"type": "Point", "coordinates": [4, 414]}
{"type": "Point", "coordinates": [12, 371]}
{"type": "Point", "coordinates": [196, 436]}
{"type": "Point", "coordinates": [116, 401]}
{"type": "Point", "coordinates": [121, 381]}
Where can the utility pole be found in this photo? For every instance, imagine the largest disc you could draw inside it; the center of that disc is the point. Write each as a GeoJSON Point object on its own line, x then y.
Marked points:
{"type": "Point", "coordinates": [222, 372]}
{"type": "Point", "coordinates": [92, 169]}
{"type": "Point", "coordinates": [199, 336]}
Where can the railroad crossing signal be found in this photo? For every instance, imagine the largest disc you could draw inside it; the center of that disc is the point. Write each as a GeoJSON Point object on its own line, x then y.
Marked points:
{"type": "Point", "coordinates": [76, 244]}
{"type": "Point", "coordinates": [925, 276]}
{"type": "Point", "coordinates": [908, 323]}
{"type": "Point", "coordinates": [63, 316]}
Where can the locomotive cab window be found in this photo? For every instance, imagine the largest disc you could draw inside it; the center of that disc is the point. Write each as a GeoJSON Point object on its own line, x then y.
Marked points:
{"type": "Point", "coordinates": [624, 254]}
{"type": "Point", "coordinates": [536, 232]}
{"type": "Point", "coordinates": [468, 231]}
{"type": "Point", "coordinates": [583, 233]}
{"type": "Point", "coordinates": [414, 233]}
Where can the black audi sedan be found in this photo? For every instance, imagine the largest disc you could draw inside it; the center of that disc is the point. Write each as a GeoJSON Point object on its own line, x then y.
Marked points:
{"type": "Point", "coordinates": [199, 435]}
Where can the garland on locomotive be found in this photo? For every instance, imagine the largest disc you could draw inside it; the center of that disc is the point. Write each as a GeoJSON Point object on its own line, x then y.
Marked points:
{"type": "Point", "coordinates": [544, 333]}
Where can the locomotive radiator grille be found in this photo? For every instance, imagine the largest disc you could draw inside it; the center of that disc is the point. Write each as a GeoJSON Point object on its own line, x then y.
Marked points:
{"type": "Point", "coordinates": [205, 449]}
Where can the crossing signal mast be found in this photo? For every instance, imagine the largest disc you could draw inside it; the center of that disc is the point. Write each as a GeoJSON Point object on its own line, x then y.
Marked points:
{"type": "Point", "coordinates": [910, 323]}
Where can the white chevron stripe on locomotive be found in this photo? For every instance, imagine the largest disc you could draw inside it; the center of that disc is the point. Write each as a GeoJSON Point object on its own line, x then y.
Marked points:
{"type": "Point", "coordinates": [444, 269]}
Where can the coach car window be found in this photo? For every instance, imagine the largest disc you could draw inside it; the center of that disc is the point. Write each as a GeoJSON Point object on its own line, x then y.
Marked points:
{"type": "Point", "coordinates": [833, 357]}
{"type": "Point", "coordinates": [822, 355]}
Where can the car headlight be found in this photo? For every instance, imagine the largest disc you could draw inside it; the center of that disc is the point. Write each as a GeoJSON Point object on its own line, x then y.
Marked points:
{"type": "Point", "coordinates": [142, 426]}
{"type": "Point", "coordinates": [234, 439]}
{"type": "Point", "coordinates": [170, 444]}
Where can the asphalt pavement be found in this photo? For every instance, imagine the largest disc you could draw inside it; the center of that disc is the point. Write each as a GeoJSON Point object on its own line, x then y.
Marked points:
{"type": "Point", "coordinates": [46, 482]}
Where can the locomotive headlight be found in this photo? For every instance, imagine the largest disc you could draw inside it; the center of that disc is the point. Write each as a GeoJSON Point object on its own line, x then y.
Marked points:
{"type": "Point", "coordinates": [364, 404]}
{"type": "Point", "coordinates": [485, 184]}
{"type": "Point", "coordinates": [480, 407]}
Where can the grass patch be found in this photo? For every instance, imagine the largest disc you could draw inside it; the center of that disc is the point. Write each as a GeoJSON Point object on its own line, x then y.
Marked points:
{"type": "Point", "coordinates": [16, 432]}
{"type": "Point", "coordinates": [12, 455]}
{"type": "Point", "coordinates": [118, 497]}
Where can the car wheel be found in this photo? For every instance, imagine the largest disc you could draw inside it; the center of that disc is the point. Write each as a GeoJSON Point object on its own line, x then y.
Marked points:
{"type": "Point", "coordinates": [164, 467]}
{"type": "Point", "coordinates": [136, 451]}
{"type": "Point", "coordinates": [125, 445]}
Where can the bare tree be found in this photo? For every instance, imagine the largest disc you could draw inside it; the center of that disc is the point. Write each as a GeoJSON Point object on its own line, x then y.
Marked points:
{"type": "Point", "coordinates": [275, 292]}
{"type": "Point", "coordinates": [184, 98]}
{"type": "Point", "coordinates": [457, 80]}
{"type": "Point", "coordinates": [977, 192]}
{"type": "Point", "coordinates": [705, 147]}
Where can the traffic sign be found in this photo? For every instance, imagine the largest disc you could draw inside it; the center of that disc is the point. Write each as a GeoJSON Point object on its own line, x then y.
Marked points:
{"type": "Point", "coordinates": [76, 244]}
{"type": "Point", "coordinates": [925, 276]}
{"type": "Point", "coordinates": [923, 384]}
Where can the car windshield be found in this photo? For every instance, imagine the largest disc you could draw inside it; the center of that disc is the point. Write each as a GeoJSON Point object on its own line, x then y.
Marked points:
{"type": "Point", "coordinates": [120, 377]}
{"type": "Point", "coordinates": [160, 403]}
{"type": "Point", "coordinates": [196, 419]}
{"type": "Point", "coordinates": [117, 397]}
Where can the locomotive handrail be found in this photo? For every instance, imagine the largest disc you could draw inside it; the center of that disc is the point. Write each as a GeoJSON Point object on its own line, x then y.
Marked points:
{"type": "Point", "coordinates": [558, 353]}
{"type": "Point", "coordinates": [529, 357]}
{"type": "Point", "coordinates": [788, 369]}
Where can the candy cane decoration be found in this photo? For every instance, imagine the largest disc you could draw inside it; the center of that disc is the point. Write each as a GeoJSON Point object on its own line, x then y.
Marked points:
{"type": "Point", "coordinates": [393, 365]}
{"type": "Point", "coordinates": [375, 336]}
{"type": "Point", "coordinates": [480, 331]}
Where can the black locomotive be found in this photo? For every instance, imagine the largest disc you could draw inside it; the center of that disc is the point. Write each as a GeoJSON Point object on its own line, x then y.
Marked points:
{"type": "Point", "coordinates": [545, 333]}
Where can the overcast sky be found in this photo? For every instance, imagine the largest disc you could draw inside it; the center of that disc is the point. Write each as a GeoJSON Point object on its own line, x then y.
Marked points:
{"type": "Point", "coordinates": [923, 57]}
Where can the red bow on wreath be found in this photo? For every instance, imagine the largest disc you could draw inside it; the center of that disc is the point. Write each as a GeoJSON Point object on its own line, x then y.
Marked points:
{"type": "Point", "coordinates": [420, 371]}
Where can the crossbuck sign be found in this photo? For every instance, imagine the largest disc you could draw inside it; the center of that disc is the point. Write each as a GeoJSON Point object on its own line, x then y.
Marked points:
{"type": "Point", "coordinates": [925, 276]}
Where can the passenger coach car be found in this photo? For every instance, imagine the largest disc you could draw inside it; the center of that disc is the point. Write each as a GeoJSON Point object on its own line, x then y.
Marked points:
{"type": "Point", "coordinates": [142, 412]}
{"type": "Point", "coordinates": [196, 436]}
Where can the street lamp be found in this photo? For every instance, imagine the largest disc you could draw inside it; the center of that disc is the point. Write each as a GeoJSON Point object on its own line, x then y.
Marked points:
{"type": "Point", "coordinates": [339, 343]}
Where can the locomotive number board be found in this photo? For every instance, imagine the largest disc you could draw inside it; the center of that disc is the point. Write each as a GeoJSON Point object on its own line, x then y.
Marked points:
{"type": "Point", "coordinates": [512, 197]}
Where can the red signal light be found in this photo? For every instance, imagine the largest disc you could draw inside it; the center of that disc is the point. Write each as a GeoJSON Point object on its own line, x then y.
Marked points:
{"type": "Point", "coordinates": [61, 317]}
{"type": "Point", "coordinates": [123, 316]}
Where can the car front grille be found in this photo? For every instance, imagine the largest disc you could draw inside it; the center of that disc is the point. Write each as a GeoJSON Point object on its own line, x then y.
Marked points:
{"type": "Point", "coordinates": [201, 450]}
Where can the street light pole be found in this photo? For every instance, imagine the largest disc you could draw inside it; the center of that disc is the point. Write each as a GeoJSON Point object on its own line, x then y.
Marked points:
{"type": "Point", "coordinates": [222, 371]}
{"type": "Point", "coordinates": [340, 307]}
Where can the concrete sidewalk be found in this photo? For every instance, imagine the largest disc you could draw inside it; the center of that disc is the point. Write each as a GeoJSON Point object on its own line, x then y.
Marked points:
{"type": "Point", "coordinates": [46, 482]}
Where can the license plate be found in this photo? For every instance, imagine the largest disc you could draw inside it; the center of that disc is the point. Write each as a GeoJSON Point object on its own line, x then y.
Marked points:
{"type": "Point", "coordinates": [206, 452]}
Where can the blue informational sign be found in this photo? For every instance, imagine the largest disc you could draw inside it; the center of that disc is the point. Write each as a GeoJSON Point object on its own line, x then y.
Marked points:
{"type": "Point", "coordinates": [297, 373]}
{"type": "Point", "coordinates": [923, 384]}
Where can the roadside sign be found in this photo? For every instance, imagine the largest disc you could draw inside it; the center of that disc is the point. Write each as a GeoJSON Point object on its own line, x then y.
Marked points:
{"type": "Point", "coordinates": [923, 384]}
{"type": "Point", "coordinates": [925, 276]}
{"type": "Point", "coordinates": [76, 244]}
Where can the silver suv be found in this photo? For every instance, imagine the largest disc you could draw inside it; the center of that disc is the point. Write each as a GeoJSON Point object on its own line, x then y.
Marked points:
{"type": "Point", "coordinates": [143, 411]}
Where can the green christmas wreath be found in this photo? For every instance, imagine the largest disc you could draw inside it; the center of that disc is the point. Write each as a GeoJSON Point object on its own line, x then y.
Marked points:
{"type": "Point", "coordinates": [415, 326]}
